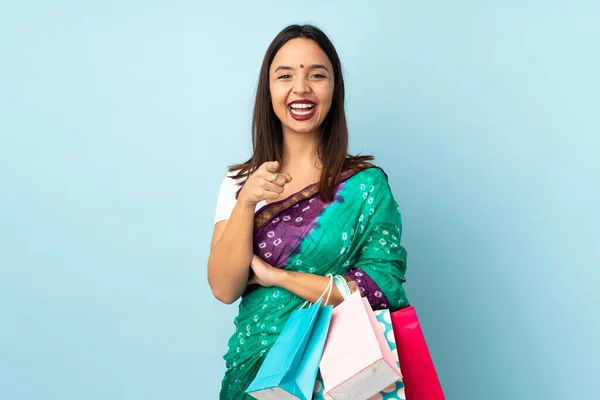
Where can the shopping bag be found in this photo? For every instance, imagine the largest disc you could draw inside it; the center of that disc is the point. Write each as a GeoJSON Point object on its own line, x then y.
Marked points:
{"type": "Point", "coordinates": [393, 392]}
{"type": "Point", "coordinates": [357, 361]}
{"type": "Point", "coordinates": [291, 366]}
{"type": "Point", "coordinates": [396, 390]}
{"type": "Point", "coordinates": [419, 375]}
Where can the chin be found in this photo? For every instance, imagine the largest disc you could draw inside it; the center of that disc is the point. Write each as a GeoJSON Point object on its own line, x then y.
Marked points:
{"type": "Point", "coordinates": [303, 129]}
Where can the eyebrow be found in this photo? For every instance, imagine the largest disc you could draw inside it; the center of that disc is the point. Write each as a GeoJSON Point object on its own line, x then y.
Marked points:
{"type": "Point", "coordinates": [314, 66]}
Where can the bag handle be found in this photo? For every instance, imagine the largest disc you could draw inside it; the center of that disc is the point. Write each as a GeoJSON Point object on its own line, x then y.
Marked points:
{"type": "Point", "coordinates": [342, 285]}
{"type": "Point", "coordinates": [327, 290]}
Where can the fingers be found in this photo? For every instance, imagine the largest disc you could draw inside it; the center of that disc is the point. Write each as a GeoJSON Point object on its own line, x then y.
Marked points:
{"type": "Point", "coordinates": [269, 195]}
{"type": "Point", "coordinates": [272, 187]}
{"type": "Point", "coordinates": [287, 177]}
{"type": "Point", "coordinates": [267, 188]}
{"type": "Point", "coordinates": [271, 166]}
{"type": "Point", "coordinates": [282, 179]}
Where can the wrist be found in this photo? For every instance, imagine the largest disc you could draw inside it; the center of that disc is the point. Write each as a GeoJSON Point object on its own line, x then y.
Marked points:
{"type": "Point", "coordinates": [283, 278]}
{"type": "Point", "coordinates": [245, 203]}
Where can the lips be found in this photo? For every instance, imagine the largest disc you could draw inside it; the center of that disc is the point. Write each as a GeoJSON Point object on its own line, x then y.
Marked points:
{"type": "Point", "coordinates": [302, 110]}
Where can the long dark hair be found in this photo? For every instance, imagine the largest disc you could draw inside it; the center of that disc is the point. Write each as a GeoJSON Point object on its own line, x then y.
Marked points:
{"type": "Point", "coordinates": [267, 134]}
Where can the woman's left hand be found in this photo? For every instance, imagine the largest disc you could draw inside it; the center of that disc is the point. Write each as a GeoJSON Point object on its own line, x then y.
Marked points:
{"type": "Point", "coordinates": [264, 274]}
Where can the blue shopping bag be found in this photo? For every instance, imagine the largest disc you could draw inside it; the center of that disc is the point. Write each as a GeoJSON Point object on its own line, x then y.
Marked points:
{"type": "Point", "coordinates": [290, 368]}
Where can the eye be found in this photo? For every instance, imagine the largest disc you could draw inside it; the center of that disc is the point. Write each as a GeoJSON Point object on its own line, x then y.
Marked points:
{"type": "Point", "coordinates": [319, 76]}
{"type": "Point", "coordinates": [284, 77]}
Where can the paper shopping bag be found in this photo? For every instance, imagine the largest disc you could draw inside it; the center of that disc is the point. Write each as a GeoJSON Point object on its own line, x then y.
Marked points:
{"type": "Point", "coordinates": [291, 366]}
{"type": "Point", "coordinates": [396, 390]}
{"type": "Point", "coordinates": [357, 361]}
{"type": "Point", "coordinates": [419, 375]}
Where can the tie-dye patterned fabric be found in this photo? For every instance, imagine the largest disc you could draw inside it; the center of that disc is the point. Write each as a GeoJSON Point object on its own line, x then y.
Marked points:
{"type": "Point", "coordinates": [357, 235]}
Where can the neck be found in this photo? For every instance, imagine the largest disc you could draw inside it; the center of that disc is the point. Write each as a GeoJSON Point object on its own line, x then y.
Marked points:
{"type": "Point", "coordinates": [300, 151]}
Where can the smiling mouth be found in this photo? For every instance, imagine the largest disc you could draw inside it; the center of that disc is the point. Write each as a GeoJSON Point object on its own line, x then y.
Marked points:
{"type": "Point", "coordinates": [302, 109]}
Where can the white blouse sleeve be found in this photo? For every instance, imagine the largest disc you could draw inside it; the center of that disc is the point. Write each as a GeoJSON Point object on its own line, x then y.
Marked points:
{"type": "Point", "coordinates": [226, 199]}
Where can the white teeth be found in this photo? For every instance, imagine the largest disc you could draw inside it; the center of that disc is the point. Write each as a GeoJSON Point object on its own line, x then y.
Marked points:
{"type": "Point", "coordinates": [298, 112]}
{"type": "Point", "coordinates": [298, 105]}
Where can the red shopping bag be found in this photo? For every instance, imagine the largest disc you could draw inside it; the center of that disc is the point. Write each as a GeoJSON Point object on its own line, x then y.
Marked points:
{"type": "Point", "coordinates": [420, 378]}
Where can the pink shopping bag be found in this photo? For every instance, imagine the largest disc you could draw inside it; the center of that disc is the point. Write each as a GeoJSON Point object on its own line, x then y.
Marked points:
{"type": "Point", "coordinates": [418, 372]}
{"type": "Point", "coordinates": [357, 361]}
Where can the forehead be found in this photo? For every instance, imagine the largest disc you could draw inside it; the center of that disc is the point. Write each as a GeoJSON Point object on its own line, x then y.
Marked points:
{"type": "Point", "coordinates": [300, 51]}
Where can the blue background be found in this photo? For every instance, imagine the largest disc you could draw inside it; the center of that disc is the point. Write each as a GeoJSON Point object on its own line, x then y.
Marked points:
{"type": "Point", "coordinates": [117, 122]}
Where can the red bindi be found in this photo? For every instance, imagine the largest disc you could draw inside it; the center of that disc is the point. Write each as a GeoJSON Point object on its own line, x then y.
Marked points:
{"type": "Point", "coordinates": [301, 65]}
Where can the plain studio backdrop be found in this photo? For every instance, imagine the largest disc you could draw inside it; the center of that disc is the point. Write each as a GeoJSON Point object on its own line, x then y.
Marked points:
{"type": "Point", "coordinates": [117, 122]}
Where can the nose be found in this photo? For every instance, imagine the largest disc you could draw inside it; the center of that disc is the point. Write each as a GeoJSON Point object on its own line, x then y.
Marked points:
{"type": "Point", "coordinates": [301, 85]}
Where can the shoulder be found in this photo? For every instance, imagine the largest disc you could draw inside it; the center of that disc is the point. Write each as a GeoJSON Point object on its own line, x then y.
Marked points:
{"type": "Point", "coordinates": [371, 180]}
{"type": "Point", "coordinates": [229, 187]}
{"type": "Point", "coordinates": [372, 173]}
{"type": "Point", "coordinates": [368, 180]}
{"type": "Point", "coordinates": [226, 198]}
{"type": "Point", "coordinates": [230, 180]}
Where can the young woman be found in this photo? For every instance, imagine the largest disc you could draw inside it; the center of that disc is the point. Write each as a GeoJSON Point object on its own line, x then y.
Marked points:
{"type": "Point", "coordinates": [300, 208]}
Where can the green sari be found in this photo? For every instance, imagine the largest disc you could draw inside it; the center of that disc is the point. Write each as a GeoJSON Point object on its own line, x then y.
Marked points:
{"type": "Point", "coordinates": [356, 235]}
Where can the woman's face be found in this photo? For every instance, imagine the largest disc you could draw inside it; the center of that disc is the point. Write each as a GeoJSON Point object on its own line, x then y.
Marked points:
{"type": "Point", "coordinates": [301, 82]}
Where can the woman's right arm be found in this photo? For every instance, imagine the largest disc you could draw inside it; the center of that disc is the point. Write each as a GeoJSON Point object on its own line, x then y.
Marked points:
{"type": "Point", "coordinates": [232, 243]}
{"type": "Point", "coordinates": [231, 253]}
